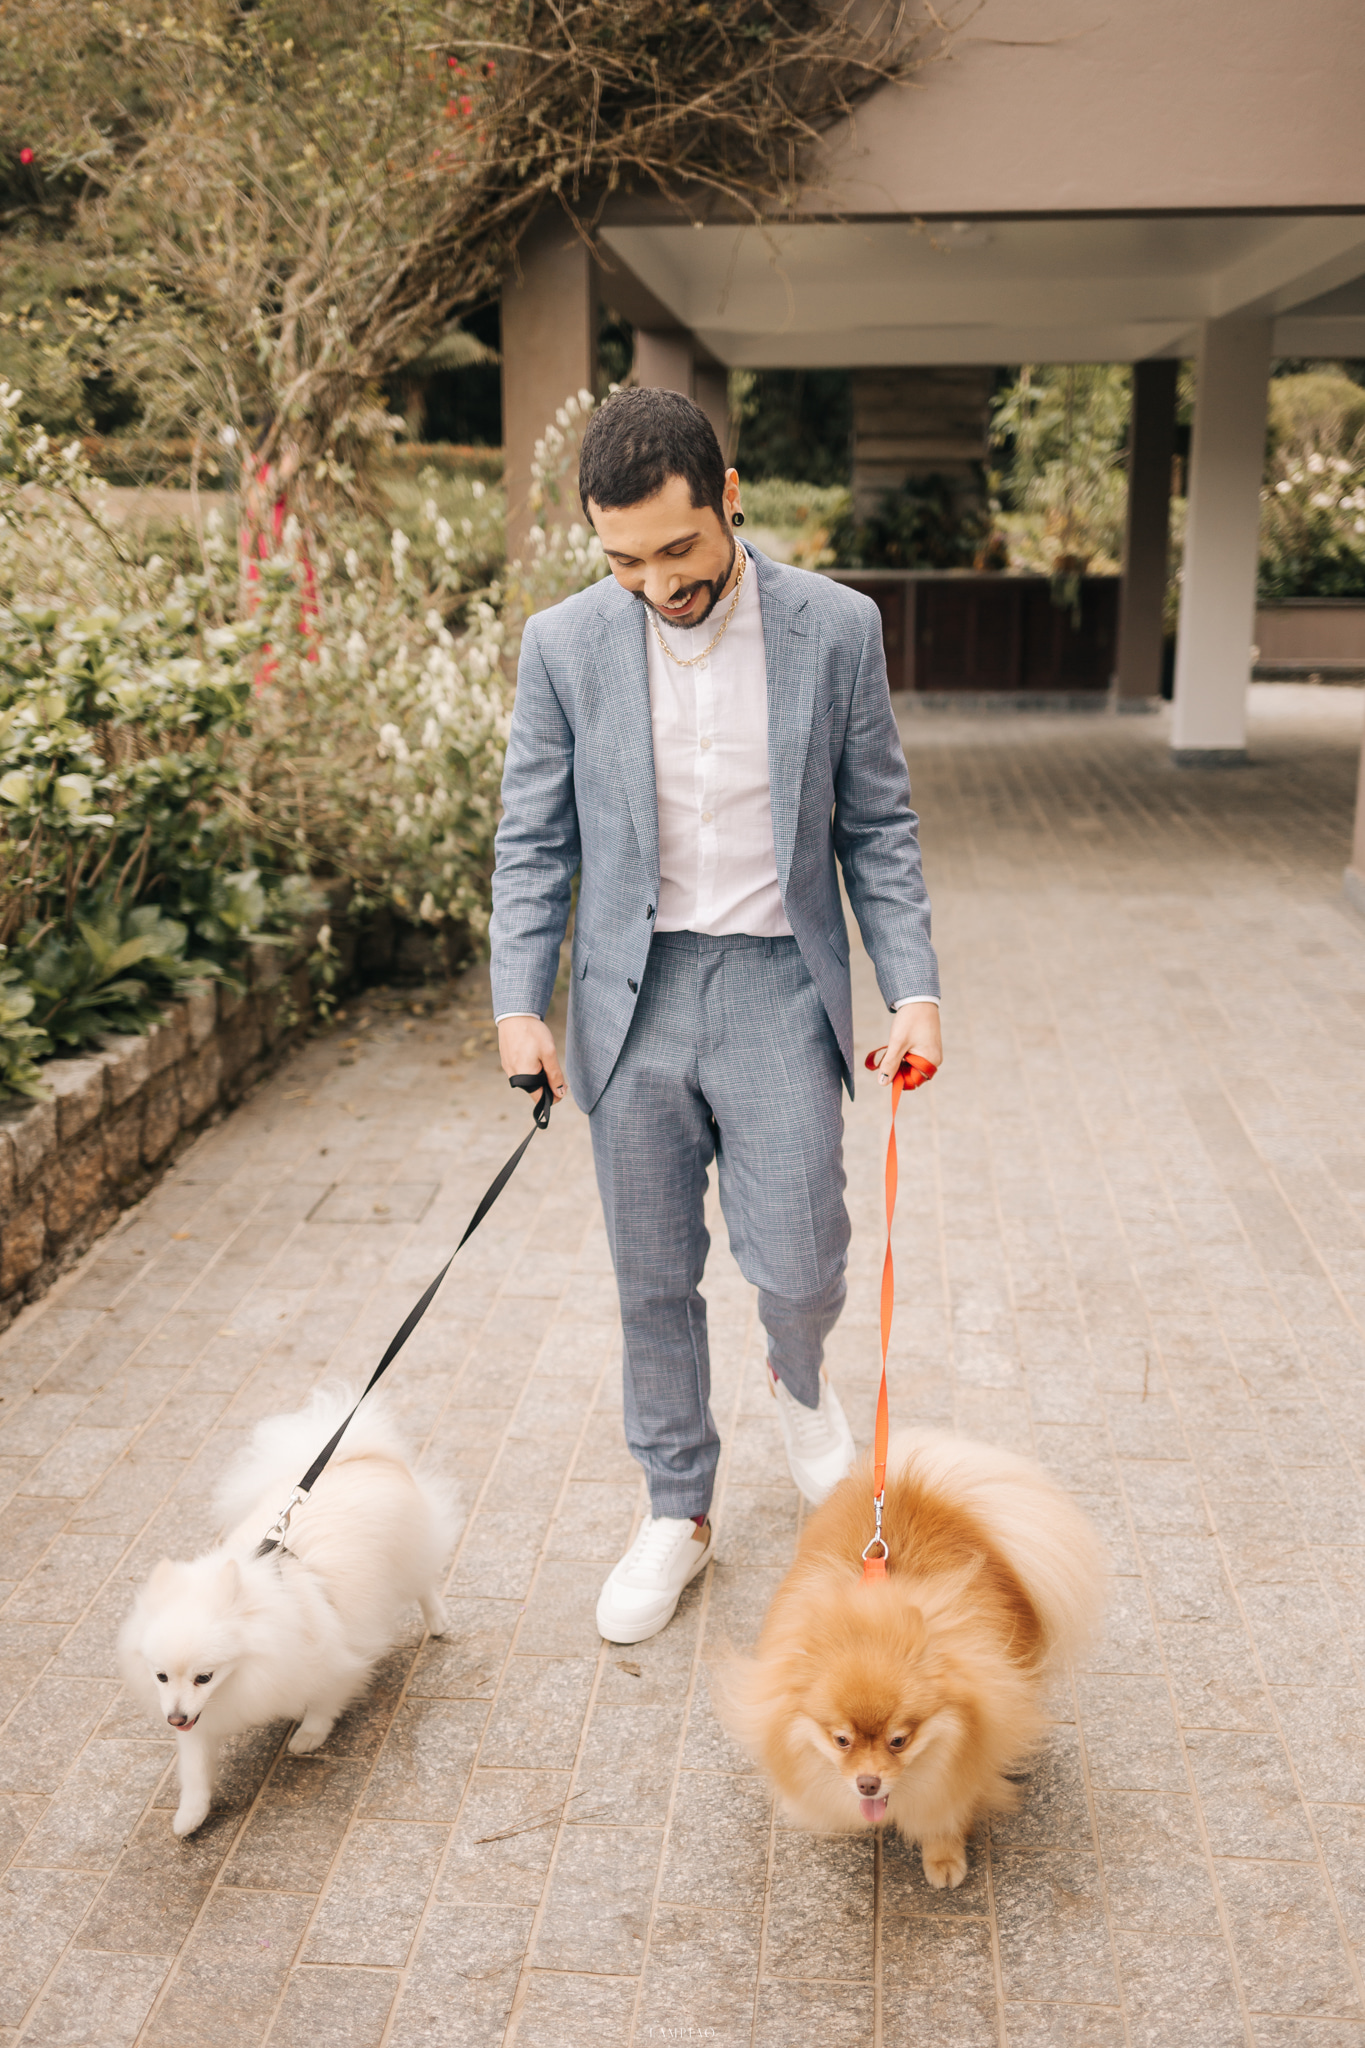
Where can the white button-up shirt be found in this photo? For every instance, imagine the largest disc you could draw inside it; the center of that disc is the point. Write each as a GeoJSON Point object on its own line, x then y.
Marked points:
{"type": "Point", "coordinates": [717, 862]}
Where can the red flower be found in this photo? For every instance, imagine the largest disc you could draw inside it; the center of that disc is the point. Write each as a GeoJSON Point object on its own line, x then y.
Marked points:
{"type": "Point", "coordinates": [26, 156]}
{"type": "Point", "coordinates": [466, 106]}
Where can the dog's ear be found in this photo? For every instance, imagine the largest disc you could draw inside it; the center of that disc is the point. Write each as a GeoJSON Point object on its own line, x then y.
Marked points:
{"type": "Point", "coordinates": [163, 1577]}
{"type": "Point", "coordinates": [229, 1581]}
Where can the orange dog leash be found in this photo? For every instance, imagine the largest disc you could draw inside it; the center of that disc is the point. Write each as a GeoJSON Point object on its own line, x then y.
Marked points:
{"type": "Point", "coordinates": [914, 1072]}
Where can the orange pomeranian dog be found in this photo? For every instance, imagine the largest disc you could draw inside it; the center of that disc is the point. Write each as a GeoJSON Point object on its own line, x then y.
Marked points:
{"type": "Point", "coordinates": [911, 1698]}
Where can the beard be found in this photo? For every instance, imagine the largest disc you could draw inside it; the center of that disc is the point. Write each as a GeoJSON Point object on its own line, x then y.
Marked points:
{"type": "Point", "coordinates": [713, 588]}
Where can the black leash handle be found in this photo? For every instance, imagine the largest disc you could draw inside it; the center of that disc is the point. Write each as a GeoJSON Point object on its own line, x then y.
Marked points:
{"type": "Point", "coordinates": [533, 1084]}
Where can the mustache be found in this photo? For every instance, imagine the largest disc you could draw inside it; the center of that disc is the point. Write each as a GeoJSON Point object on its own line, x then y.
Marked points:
{"type": "Point", "coordinates": [715, 587]}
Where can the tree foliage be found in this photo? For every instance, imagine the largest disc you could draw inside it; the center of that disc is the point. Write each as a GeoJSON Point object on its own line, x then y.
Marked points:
{"type": "Point", "coordinates": [296, 196]}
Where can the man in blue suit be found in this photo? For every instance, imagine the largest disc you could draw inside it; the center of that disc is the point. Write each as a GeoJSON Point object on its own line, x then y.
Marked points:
{"type": "Point", "coordinates": [699, 739]}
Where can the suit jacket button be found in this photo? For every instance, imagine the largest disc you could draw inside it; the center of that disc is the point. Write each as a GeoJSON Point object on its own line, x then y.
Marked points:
{"type": "Point", "coordinates": [634, 987]}
{"type": "Point", "coordinates": [649, 910]}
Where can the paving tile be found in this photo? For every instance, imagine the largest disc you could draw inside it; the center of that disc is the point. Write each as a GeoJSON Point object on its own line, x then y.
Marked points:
{"type": "Point", "coordinates": [425, 1761]}
{"type": "Point", "coordinates": [560, 1618]}
{"type": "Point", "coordinates": [373, 1902]}
{"type": "Point", "coordinates": [96, 1998]}
{"type": "Point", "coordinates": [1341, 1832]}
{"type": "Point", "coordinates": [128, 1495]}
{"type": "Point", "coordinates": [539, 1713]}
{"type": "Point", "coordinates": [230, 1972]}
{"type": "Point", "coordinates": [1214, 1676]}
{"type": "Point", "coordinates": [1179, 1988]}
{"type": "Point", "coordinates": [820, 1900]}
{"type": "Point", "coordinates": [838, 2015]}
{"type": "Point", "coordinates": [1285, 1936]}
{"type": "Point", "coordinates": [466, 1662]}
{"type": "Point", "coordinates": [66, 1578]}
{"type": "Point", "coordinates": [1053, 1812]}
{"type": "Point", "coordinates": [40, 1910]}
{"type": "Point", "coordinates": [46, 1731]}
{"type": "Point", "coordinates": [158, 1887]}
{"type": "Point", "coordinates": [1324, 1729]}
{"type": "Point", "coordinates": [334, 2008]}
{"type": "Point", "coordinates": [576, 2012]}
{"type": "Point", "coordinates": [508, 1826]}
{"type": "Point", "coordinates": [596, 1913]}
{"type": "Point", "coordinates": [1064, 2026]}
{"type": "Point", "coordinates": [296, 1826]}
{"type": "Point", "coordinates": [1131, 1738]}
{"type": "Point", "coordinates": [97, 1806]}
{"type": "Point", "coordinates": [1247, 1793]}
{"type": "Point", "coordinates": [1053, 1939]}
{"type": "Point", "coordinates": [702, 1973]}
{"type": "Point", "coordinates": [459, 1989]}
{"type": "Point", "coordinates": [1156, 1871]}
{"type": "Point", "coordinates": [717, 1849]}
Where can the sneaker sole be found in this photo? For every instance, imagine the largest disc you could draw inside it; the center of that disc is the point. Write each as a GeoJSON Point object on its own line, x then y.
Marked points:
{"type": "Point", "coordinates": [642, 1633]}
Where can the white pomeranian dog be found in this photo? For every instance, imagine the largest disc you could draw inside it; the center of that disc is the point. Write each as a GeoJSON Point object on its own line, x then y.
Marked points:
{"type": "Point", "coordinates": [231, 1640]}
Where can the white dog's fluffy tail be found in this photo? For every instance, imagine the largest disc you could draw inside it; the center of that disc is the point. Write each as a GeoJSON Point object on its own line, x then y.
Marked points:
{"type": "Point", "coordinates": [1046, 1539]}
{"type": "Point", "coordinates": [283, 1447]}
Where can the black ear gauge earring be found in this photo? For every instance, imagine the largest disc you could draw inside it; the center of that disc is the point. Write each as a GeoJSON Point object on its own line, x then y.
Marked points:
{"type": "Point", "coordinates": [736, 519]}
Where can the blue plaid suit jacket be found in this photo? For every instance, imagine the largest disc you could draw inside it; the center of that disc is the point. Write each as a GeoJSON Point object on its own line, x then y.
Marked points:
{"type": "Point", "coordinates": [578, 797]}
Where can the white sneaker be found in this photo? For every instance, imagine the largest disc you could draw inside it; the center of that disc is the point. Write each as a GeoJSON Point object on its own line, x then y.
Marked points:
{"type": "Point", "coordinates": [643, 1590]}
{"type": "Point", "coordinates": [819, 1441]}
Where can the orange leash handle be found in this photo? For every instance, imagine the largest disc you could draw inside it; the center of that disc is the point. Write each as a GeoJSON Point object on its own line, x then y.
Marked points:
{"type": "Point", "coordinates": [913, 1072]}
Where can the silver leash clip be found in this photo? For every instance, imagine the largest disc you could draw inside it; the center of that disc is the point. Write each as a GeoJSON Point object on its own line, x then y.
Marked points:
{"type": "Point", "coordinates": [274, 1536]}
{"type": "Point", "coordinates": [877, 1536]}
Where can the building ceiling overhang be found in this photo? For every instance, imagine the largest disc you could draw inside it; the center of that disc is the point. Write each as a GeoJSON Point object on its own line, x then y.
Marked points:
{"type": "Point", "coordinates": [818, 294]}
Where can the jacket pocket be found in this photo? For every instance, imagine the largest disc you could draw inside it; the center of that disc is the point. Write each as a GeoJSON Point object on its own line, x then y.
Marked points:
{"type": "Point", "coordinates": [838, 944]}
{"type": "Point", "coordinates": [580, 966]}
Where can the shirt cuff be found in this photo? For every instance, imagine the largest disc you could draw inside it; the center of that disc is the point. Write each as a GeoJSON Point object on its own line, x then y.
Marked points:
{"type": "Point", "coordinates": [517, 1013]}
{"type": "Point", "coordinates": [901, 1001]}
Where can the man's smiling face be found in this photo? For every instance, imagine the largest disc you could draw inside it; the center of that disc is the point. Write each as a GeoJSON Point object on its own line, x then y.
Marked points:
{"type": "Point", "coordinates": [676, 557]}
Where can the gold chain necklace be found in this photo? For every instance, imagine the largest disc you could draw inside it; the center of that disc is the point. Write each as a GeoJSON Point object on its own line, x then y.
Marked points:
{"type": "Point", "coordinates": [692, 660]}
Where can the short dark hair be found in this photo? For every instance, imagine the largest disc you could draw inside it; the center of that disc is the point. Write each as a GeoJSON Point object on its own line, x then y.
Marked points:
{"type": "Point", "coordinates": [637, 439]}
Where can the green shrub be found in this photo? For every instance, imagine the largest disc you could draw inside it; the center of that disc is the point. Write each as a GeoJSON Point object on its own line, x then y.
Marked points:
{"type": "Point", "coordinates": [921, 525]}
{"type": "Point", "coordinates": [1313, 514]}
{"type": "Point", "coordinates": [185, 752]}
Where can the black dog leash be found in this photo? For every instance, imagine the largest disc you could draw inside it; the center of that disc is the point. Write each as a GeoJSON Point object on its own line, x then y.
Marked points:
{"type": "Point", "coordinates": [534, 1084]}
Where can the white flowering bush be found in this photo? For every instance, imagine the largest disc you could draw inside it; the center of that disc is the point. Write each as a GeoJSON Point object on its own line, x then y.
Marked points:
{"type": "Point", "coordinates": [188, 745]}
{"type": "Point", "coordinates": [1313, 519]}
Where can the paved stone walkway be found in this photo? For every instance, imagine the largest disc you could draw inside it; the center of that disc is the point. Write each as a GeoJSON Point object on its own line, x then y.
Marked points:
{"type": "Point", "coordinates": [1130, 1241]}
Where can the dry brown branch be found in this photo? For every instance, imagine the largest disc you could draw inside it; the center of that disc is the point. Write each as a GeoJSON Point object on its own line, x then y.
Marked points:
{"type": "Point", "coordinates": [301, 194]}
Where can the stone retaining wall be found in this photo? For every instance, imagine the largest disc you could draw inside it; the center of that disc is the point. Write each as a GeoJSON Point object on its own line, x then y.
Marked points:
{"type": "Point", "coordinates": [117, 1117]}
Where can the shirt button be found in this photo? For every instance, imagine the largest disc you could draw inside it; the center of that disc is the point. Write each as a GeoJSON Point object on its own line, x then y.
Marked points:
{"type": "Point", "coordinates": [706, 743]}
{"type": "Point", "coordinates": [634, 987]}
{"type": "Point", "coordinates": [706, 817]}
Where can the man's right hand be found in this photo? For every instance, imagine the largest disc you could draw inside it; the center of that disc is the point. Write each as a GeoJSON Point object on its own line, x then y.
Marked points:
{"type": "Point", "coordinates": [526, 1046]}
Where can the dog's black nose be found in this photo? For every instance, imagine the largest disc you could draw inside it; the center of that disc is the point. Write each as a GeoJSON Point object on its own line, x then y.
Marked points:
{"type": "Point", "coordinates": [869, 1786]}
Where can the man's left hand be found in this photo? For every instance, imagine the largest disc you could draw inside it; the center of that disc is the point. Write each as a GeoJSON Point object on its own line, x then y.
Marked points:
{"type": "Point", "coordinates": [917, 1029]}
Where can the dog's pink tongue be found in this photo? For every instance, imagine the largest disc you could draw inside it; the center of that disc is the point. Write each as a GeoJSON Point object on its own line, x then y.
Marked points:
{"type": "Point", "coordinates": [873, 1809]}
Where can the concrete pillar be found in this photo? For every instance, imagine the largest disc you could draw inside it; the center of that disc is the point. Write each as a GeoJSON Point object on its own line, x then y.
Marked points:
{"type": "Point", "coordinates": [1355, 873]}
{"type": "Point", "coordinates": [663, 359]}
{"type": "Point", "coordinates": [1218, 592]}
{"type": "Point", "coordinates": [711, 389]}
{"type": "Point", "coordinates": [1151, 444]}
{"type": "Point", "coordinates": [666, 359]}
{"type": "Point", "coordinates": [549, 353]}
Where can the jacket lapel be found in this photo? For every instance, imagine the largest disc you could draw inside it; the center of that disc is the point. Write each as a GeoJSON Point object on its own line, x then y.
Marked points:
{"type": "Point", "coordinates": [791, 655]}
{"type": "Point", "coordinates": [626, 677]}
